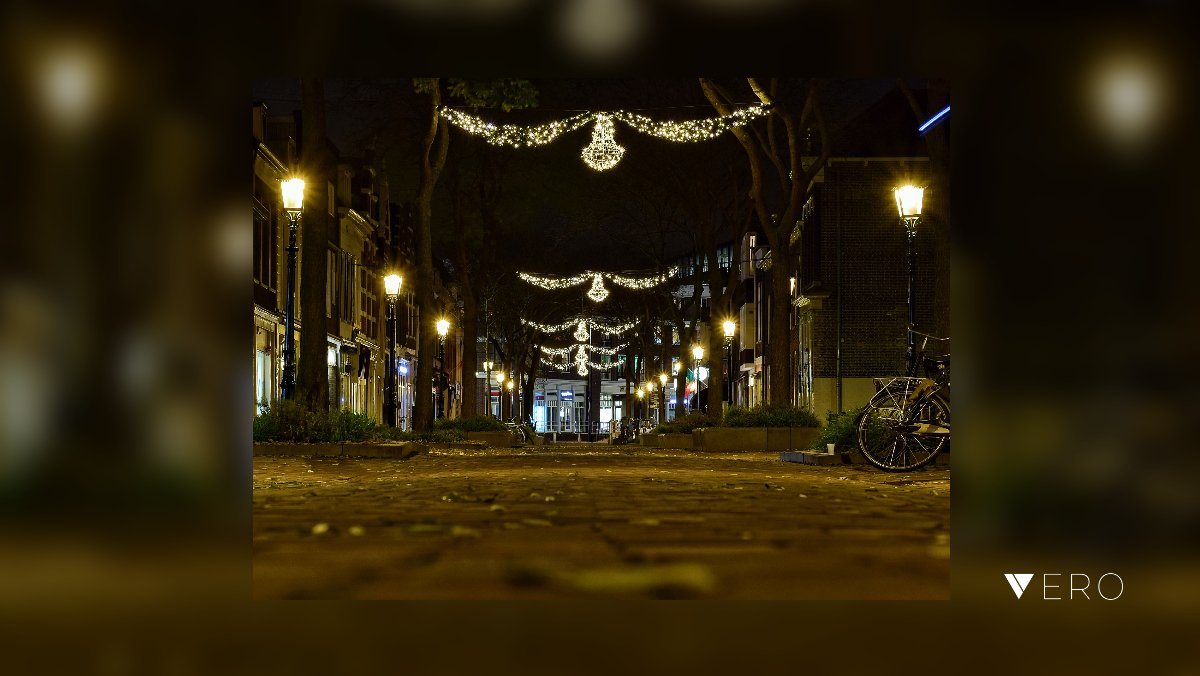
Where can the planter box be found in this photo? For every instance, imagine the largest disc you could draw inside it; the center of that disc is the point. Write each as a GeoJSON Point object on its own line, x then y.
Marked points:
{"type": "Point", "coordinates": [649, 440]}
{"type": "Point", "coordinates": [399, 449]}
{"type": "Point", "coordinates": [733, 439]}
{"type": "Point", "coordinates": [675, 441]}
{"type": "Point", "coordinates": [502, 439]}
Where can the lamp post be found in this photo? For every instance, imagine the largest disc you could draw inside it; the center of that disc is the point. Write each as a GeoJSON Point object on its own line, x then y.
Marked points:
{"type": "Point", "coordinates": [662, 379]}
{"type": "Point", "coordinates": [487, 367]}
{"type": "Point", "coordinates": [293, 204]}
{"type": "Point", "coordinates": [391, 288]}
{"type": "Point", "coordinates": [511, 402]}
{"type": "Point", "coordinates": [698, 353]}
{"type": "Point", "coordinates": [443, 327]}
{"type": "Point", "coordinates": [500, 399]}
{"type": "Point", "coordinates": [730, 328]}
{"type": "Point", "coordinates": [908, 203]}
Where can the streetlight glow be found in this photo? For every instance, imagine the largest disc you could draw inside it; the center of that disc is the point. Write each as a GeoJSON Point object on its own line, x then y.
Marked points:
{"type": "Point", "coordinates": [499, 377]}
{"type": "Point", "coordinates": [698, 352]}
{"type": "Point", "coordinates": [730, 327]}
{"type": "Point", "coordinates": [908, 200]}
{"type": "Point", "coordinates": [293, 194]}
{"type": "Point", "coordinates": [442, 327]}
{"type": "Point", "coordinates": [392, 284]}
{"type": "Point", "coordinates": [662, 378]}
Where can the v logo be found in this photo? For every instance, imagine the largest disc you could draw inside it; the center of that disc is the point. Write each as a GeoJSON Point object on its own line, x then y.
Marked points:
{"type": "Point", "coordinates": [1018, 581]}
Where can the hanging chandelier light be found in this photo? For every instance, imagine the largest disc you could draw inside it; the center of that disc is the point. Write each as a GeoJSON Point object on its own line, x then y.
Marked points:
{"type": "Point", "coordinates": [602, 153]}
{"type": "Point", "coordinates": [597, 293]}
{"type": "Point", "coordinates": [581, 331]}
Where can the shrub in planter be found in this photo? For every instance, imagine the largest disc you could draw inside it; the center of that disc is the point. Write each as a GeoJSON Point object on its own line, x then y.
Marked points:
{"type": "Point", "coordinates": [686, 424]}
{"type": "Point", "coordinates": [289, 421]}
{"type": "Point", "coordinates": [770, 416]}
{"type": "Point", "coordinates": [472, 424]}
{"type": "Point", "coordinates": [839, 430]}
{"type": "Point", "coordinates": [347, 426]}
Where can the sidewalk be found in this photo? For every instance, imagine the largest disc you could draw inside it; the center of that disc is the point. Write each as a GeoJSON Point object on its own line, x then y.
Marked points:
{"type": "Point", "coordinates": [596, 521]}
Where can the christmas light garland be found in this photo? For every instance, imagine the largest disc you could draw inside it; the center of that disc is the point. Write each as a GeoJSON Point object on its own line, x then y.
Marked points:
{"type": "Point", "coordinates": [603, 152]}
{"type": "Point", "coordinates": [581, 359]}
{"type": "Point", "coordinates": [598, 292]}
{"type": "Point", "coordinates": [576, 323]}
{"type": "Point", "coordinates": [513, 135]}
{"type": "Point", "coordinates": [691, 131]}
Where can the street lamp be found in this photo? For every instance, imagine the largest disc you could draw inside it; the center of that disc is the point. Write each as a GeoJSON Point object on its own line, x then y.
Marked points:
{"type": "Point", "coordinates": [511, 404]}
{"type": "Point", "coordinates": [391, 288]}
{"type": "Point", "coordinates": [662, 379]}
{"type": "Point", "coordinates": [293, 204]}
{"type": "Point", "coordinates": [443, 327]}
{"type": "Point", "coordinates": [730, 328]}
{"type": "Point", "coordinates": [908, 203]}
{"type": "Point", "coordinates": [487, 367]}
{"type": "Point", "coordinates": [698, 353]}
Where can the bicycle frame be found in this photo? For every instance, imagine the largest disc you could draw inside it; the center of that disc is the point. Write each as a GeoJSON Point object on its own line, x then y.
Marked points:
{"type": "Point", "coordinates": [907, 421]}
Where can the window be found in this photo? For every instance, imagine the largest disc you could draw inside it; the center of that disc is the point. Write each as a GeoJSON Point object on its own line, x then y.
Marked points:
{"type": "Point", "coordinates": [346, 300]}
{"type": "Point", "coordinates": [368, 319]}
{"type": "Point", "coordinates": [265, 262]}
{"type": "Point", "coordinates": [725, 257]}
{"type": "Point", "coordinates": [266, 225]}
{"type": "Point", "coordinates": [331, 277]}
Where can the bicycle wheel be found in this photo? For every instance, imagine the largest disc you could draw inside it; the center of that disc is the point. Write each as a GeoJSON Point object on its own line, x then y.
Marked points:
{"type": "Point", "coordinates": [889, 436]}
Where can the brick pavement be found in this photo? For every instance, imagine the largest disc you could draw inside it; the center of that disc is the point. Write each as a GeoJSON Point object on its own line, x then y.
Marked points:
{"type": "Point", "coordinates": [596, 521]}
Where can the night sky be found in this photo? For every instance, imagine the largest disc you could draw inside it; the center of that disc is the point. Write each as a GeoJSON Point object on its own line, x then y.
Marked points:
{"type": "Point", "coordinates": [578, 218]}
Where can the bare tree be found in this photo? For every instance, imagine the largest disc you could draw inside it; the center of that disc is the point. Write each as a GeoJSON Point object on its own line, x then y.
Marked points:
{"type": "Point", "coordinates": [507, 94]}
{"type": "Point", "coordinates": [781, 183]}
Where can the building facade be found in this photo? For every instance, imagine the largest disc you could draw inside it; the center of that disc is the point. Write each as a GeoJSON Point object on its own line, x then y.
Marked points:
{"type": "Point", "coordinates": [367, 238]}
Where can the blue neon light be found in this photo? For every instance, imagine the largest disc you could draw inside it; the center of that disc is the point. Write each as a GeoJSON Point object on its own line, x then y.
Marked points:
{"type": "Point", "coordinates": [933, 120]}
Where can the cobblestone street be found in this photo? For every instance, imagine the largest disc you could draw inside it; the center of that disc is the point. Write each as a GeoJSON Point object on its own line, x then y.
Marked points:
{"type": "Point", "coordinates": [596, 521]}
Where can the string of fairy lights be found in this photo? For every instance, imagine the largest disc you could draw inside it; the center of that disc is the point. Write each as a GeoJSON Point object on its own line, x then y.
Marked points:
{"type": "Point", "coordinates": [598, 292]}
{"type": "Point", "coordinates": [583, 327]}
{"type": "Point", "coordinates": [603, 152]}
{"type": "Point", "coordinates": [582, 359]}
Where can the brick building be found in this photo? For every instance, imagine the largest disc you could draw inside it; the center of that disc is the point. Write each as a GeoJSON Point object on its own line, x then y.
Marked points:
{"type": "Point", "coordinates": [850, 309]}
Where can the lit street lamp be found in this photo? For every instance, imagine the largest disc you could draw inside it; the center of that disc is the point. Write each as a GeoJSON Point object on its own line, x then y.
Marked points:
{"type": "Point", "coordinates": [698, 353]}
{"type": "Point", "coordinates": [293, 204]}
{"type": "Point", "coordinates": [730, 328]}
{"type": "Point", "coordinates": [908, 203]}
{"type": "Point", "coordinates": [443, 327]}
{"type": "Point", "coordinates": [391, 287]}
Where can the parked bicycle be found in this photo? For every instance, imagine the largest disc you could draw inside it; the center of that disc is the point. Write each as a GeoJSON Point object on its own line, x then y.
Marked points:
{"type": "Point", "coordinates": [907, 423]}
{"type": "Point", "coordinates": [516, 428]}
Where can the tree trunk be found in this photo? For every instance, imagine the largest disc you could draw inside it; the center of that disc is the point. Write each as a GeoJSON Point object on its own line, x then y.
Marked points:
{"type": "Point", "coordinates": [436, 145]}
{"type": "Point", "coordinates": [470, 330]}
{"type": "Point", "coordinates": [715, 351]}
{"type": "Point", "coordinates": [779, 379]}
{"type": "Point", "coordinates": [312, 374]}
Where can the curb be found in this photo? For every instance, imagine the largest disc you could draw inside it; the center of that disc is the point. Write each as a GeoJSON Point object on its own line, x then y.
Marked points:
{"type": "Point", "coordinates": [399, 450]}
{"type": "Point", "coordinates": [815, 457]}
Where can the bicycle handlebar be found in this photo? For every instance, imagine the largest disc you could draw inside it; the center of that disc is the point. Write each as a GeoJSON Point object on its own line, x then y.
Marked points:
{"type": "Point", "coordinates": [927, 335]}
